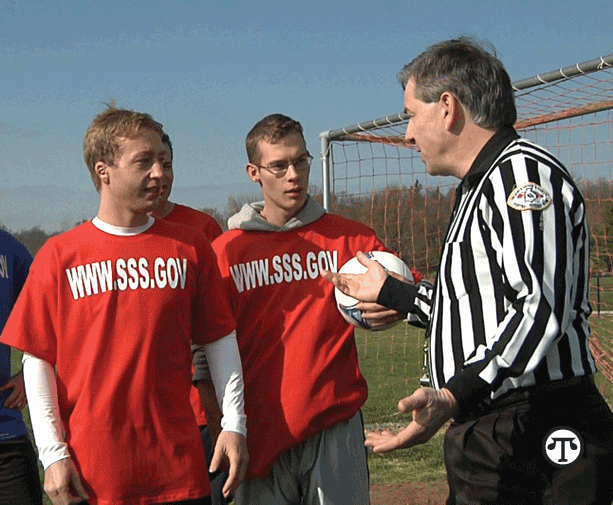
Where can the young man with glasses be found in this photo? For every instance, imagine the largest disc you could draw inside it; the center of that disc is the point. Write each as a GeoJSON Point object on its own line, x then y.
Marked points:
{"type": "Point", "coordinates": [303, 386]}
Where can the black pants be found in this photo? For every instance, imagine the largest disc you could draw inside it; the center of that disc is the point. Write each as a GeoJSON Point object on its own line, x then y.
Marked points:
{"type": "Point", "coordinates": [498, 456]}
{"type": "Point", "coordinates": [19, 480]}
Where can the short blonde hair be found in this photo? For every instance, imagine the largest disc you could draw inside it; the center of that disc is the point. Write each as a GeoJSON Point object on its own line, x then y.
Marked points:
{"type": "Point", "coordinates": [101, 141]}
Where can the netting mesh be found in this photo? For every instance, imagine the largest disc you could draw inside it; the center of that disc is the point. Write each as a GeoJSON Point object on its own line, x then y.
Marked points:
{"type": "Point", "coordinates": [377, 179]}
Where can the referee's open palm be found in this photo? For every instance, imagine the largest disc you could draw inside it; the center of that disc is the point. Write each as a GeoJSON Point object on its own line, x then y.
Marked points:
{"type": "Point", "coordinates": [431, 409]}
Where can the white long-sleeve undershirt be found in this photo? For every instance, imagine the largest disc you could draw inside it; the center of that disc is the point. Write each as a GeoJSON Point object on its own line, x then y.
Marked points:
{"type": "Point", "coordinates": [227, 376]}
{"type": "Point", "coordinates": [41, 391]}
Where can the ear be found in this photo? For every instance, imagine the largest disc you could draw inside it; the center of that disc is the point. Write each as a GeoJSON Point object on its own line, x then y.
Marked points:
{"type": "Point", "coordinates": [253, 172]}
{"type": "Point", "coordinates": [102, 171]}
{"type": "Point", "coordinates": [452, 111]}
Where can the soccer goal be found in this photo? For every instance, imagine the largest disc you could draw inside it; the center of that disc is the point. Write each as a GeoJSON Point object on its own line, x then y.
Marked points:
{"type": "Point", "coordinates": [370, 174]}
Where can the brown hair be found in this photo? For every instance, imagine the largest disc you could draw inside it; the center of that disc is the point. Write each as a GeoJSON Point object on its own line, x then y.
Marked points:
{"type": "Point", "coordinates": [166, 140]}
{"type": "Point", "coordinates": [101, 141]}
{"type": "Point", "coordinates": [270, 129]}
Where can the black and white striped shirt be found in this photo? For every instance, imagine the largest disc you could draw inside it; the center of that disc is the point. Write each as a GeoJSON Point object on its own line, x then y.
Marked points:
{"type": "Point", "coordinates": [509, 307]}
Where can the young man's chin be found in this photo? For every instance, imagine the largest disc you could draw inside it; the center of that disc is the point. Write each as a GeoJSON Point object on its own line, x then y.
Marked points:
{"type": "Point", "coordinates": [296, 205]}
{"type": "Point", "coordinates": [147, 206]}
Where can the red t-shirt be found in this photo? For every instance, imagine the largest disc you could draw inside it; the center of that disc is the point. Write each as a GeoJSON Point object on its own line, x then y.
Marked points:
{"type": "Point", "coordinates": [208, 225]}
{"type": "Point", "coordinates": [300, 362]}
{"type": "Point", "coordinates": [115, 315]}
{"type": "Point", "coordinates": [196, 219]}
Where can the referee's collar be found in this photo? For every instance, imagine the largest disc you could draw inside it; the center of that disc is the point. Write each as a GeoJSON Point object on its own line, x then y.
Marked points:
{"type": "Point", "coordinates": [491, 150]}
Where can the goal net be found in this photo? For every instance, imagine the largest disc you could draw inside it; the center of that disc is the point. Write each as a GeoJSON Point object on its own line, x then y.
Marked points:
{"type": "Point", "coordinates": [372, 176]}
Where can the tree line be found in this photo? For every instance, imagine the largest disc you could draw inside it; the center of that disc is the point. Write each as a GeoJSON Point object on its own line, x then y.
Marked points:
{"type": "Point", "coordinates": [412, 221]}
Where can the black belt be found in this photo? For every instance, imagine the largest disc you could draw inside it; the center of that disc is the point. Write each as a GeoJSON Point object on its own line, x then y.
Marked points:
{"type": "Point", "coordinates": [527, 395]}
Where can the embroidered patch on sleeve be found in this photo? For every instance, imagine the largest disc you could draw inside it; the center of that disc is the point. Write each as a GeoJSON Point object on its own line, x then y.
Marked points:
{"type": "Point", "coordinates": [529, 196]}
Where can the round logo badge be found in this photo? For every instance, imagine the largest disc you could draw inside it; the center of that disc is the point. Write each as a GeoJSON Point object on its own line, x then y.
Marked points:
{"type": "Point", "coordinates": [562, 446]}
{"type": "Point", "coordinates": [529, 196]}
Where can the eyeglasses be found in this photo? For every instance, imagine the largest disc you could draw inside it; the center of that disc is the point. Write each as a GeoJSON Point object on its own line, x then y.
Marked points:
{"type": "Point", "coordinates": [279, 168]}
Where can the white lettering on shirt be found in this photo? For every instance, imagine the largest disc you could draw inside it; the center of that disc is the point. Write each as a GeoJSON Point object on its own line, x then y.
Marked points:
{"type": "Point", "coordinates": [131, 273]}
{"type": "Point", "coordinates": [282, 268]}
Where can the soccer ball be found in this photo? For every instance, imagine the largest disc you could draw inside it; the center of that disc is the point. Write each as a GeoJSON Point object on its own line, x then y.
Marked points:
{"type": "Point", "coordinates": [347, 305]}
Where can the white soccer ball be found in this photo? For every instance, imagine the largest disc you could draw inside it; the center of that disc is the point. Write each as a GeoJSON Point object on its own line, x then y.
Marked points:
{"type": "Point", "coordinates": [347, 305]}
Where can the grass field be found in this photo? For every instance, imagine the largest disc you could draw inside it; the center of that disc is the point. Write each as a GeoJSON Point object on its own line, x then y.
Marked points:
{"type": "Point", "coordinates": [601, 291]}
{"type": "Point", "coordinates": [391, 361]}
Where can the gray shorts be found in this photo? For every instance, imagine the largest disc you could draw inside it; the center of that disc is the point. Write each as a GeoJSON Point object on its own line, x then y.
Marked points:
{"type": "Point", "coordinates": [329, 468]}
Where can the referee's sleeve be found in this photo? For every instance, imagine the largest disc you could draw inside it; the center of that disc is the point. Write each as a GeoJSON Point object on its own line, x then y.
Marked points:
{"type": "Point", "coordinates": [411, 299]}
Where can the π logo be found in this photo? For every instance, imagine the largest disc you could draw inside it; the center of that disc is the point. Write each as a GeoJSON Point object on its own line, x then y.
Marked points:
{"type": "Point", "coordinates": [562, 446]}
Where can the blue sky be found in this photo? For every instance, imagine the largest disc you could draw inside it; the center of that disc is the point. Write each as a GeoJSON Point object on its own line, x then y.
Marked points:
{"type": "Point", "coordinates": [209, 70]}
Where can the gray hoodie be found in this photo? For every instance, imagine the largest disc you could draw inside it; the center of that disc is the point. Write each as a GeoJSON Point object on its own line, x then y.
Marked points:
{"type": "Point", "coordinates": [250, 218]}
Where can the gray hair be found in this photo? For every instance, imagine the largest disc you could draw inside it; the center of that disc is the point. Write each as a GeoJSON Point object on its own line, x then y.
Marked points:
{"type": "Point", "coordinates": [474, 75]}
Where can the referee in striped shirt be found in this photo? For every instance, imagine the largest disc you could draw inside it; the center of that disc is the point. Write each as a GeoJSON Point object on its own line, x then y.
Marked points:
{"type": "Point", "coordinates": [507, 317]}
